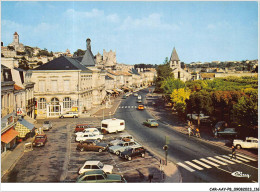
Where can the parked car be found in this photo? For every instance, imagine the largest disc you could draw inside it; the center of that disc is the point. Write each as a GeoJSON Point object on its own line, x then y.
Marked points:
{"type": "Point", "coordinates": [92, 146]}
{"type": "Point", "coordinates": [227, 132]}
{"type": "Point", "coordinates": [124, 97]}
{"type": "Point", "coordinates": [136, 94]}
{"type": "Point", "coordinates": [40, 140]}
{"type": "Point", "coordinates": [139, 101]}
{"type": "Point", "coordinates": [99, 176]}
{"type": "Point", "coordinates": [95, 165]}
{"type": "Point", "coordinates": [73, 114]}
{"type": "Point", "coordinates": [249, 142]}
{"type": "Point", "coordinates": [140, 107]}
{"type": "Point", "coordinates": [94, 131]}
{"type": "Point", "coordinates": [81, 127]}
{"type": "Point", "coordinates": [117, 149]}
{"type": "Point", "coordinates": [86, 136]}
{"type": "Point", "coordinates": [220, 126]}
{"type": "Point", "coordinates": [133, 152]}
{"type": "Point", "coordinates": [151, 123]}
{"type": "Point", "coordinates": [121, 139]}
{"type": "Point", "coordinates": [195, 116]}
{"type": "Point", "coordinates": [47, 125]}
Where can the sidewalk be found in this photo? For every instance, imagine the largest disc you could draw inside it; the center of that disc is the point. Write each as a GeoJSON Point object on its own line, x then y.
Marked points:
{"type": "Point", "coordinates": [165, 116]}
{"type": "Point", "coordinates": [9, 159]}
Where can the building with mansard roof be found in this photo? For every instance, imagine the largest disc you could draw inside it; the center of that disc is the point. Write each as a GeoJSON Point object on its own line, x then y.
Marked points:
{"type": "Point", "coordinates": [175, 64]}
{"type": "Point", "coordinates": [66, 84]}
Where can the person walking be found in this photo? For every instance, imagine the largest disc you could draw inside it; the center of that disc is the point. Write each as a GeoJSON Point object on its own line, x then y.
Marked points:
{"type": "Point", "coordinates": [233, 148]}
{"type": "Point", "coordinates": [197, 132]}
{"type": "Point", "coordinates": [189, 131]}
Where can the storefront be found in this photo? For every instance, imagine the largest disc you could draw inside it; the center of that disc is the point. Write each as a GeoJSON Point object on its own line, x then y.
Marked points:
{"type": "Point", "coordinates": [8, 140]}
{"type": "Point", "coordinates": [24, 129]}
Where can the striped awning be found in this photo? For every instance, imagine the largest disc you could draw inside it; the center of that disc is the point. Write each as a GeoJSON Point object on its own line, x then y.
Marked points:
{"type": "Point", "coordinates": [9, 135]}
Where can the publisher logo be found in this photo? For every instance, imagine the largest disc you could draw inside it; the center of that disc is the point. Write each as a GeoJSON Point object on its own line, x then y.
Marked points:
{"type": "Point", "coordinates": [239, 174]}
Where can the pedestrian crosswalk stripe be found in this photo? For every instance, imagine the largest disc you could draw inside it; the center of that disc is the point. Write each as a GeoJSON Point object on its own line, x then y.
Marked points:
{"type": "Point", "coordinates": [240, 158]}
{"type": "Point", "coordinates": [203, 164]}
{"type": "Point", "coordinates": [193, 165]}
{"type": "Point", "coordinates": [186, 167]}
{"type": "Point", "coordinates": [135, 106]}
{"type": "Point", "coordinates": [246, 157]}
{"type": "Point", "coordinates": [219, 162]}
{"type": "Point", "coordinates": [132, 106]}
{"type": "Point", "coordinates": [209, 162]}
{"type": "Point", "coordinates": [225, 160]}
{"type": "Point", "coordinates": [232, 159]}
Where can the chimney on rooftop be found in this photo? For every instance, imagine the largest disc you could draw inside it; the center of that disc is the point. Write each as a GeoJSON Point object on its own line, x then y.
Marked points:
{"type": "Point", "coordinates": [88, 44]}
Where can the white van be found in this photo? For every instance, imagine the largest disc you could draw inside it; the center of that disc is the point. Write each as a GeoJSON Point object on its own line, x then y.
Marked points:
{"type": "Point", "coordinates": [112, 125]}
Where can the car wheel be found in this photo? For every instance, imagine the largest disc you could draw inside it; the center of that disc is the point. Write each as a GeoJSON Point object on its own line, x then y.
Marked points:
{"type": "Point", "coordinates": [238, 146]}
{"type": "Point", "coordinates": [98, 140]}
{"type": "Point", "coordinates": [117, 153]}
{"type": "Point", "coordinates": [142, 154]}
{"type": "Point", "coordinates": [62, 117]}
{"type": "Point", "coordinates": [129, 158]}
{"type": "Point", "coordinates": [100, 150]}
{"type": "Point", "coordinates": [82, 149]}
{"type": "Point", "coordinates": [74, 116]}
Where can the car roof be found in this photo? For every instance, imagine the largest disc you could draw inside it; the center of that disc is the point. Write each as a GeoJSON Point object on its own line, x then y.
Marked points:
{"type": "Point", "coordinates": [93, 172]}
{"type": "Point", "coordinates": [91, 162]}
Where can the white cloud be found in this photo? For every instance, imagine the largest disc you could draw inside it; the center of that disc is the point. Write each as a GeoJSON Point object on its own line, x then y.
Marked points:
{"type": "Point", "coordinates": [113, 18]}
{"type": "Point", "coordinates": [80, 14]}
{"type": "Point", "coordinates": [151, 21]}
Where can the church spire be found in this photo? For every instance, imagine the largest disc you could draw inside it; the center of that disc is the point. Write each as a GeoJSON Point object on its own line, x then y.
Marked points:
{"type": "Point", "coordinates": [174, 56]}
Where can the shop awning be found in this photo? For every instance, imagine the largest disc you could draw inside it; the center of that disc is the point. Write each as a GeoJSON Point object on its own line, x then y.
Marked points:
{"type": "Point", "coordinates": [26, 124]}
{"type": "Point", "coordinates": [8, 136]}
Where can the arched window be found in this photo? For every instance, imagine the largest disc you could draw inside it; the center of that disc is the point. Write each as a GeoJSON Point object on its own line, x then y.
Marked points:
{"type": "Point", "coordinates": [67, 102]}
{"type": "Point", "coordinates": [42, 103]}
{"type": "Point", "coordinates": [55, 101]}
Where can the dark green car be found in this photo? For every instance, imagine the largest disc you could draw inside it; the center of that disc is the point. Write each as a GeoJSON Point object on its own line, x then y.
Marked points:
{"type": "Point", "coordinates": [99, 176]}
{"type": "Point", "coordinates": [150, 123]}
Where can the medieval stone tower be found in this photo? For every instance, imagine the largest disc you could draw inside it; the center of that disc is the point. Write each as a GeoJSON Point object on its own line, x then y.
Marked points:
{"type": "Point", "coordinates": [174, 60]}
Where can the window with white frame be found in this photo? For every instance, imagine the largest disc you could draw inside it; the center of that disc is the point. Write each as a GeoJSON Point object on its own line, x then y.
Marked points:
{"type": "Point", "coordinates": [41, 86]}
{"type": "Point", "coordinates": [42, 103]}
{"type": "Point", "coordinates": [55, 101]}
{"type": "Point", "coordinates": [54, 85]}
{"type": "Point", "coordinates": [67, 102]}
{"type": "Point", "coordinates": [66, 85]}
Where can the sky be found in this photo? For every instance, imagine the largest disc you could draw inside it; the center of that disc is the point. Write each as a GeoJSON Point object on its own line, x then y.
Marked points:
{"type": "Point", "coordinates": [139, 32]}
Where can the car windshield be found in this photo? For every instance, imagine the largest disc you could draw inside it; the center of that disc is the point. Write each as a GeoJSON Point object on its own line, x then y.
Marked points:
{"type": "Point", "coordinates": [121, 144]}
{"type": "Point", "coordinates": [153, 121]}
{"type": "Point", "coordinates": [46, 122]}
{"type": "Point", "coordinates": [100, 165]}
{"type": "Point", "coordinates": [230, 129]}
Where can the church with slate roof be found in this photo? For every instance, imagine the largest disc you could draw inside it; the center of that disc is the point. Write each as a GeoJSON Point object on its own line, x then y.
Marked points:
{"type": "Point", "coordinates": [175, 65]}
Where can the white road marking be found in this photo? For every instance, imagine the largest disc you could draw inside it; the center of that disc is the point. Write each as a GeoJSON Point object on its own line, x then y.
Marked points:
{"type": "Point", "coordinates": [129, 106]}
{"type": "Point", "coordinates": [209, 162]}
{"type": "Point", "coordinates": [135, 106]}
{"type": "Point", "coordinates": [219, 162]}
{"type": "Point", "coordinates": [232, 159]}
{"type": "Point", "coordinates": [132, 106]}
{"type": "Point", "coordinates": [186, 167]}
{"type": "Point", "coordinates": [225, 160]}
{"type": "Point", "coordinates": [203, 164]}
{"type": "Point", "coordinates": [246, 157]}
{"type": "Point", "coordinates": [240, 158]}
{"type": "Point", "coordinates": [193, 165]}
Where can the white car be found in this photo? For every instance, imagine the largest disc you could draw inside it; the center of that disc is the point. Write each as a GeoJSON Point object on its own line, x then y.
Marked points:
{"type": "Point", "coordinates": [136, 94]}
{"type": "Point", "coordinates": [195, 116]}
{"type": "Point", "coordinates": [250, 142]}
{"type": "Point", "coordinates": [95, 165]}
{"type": "Point", "coordinates": [94, 131]}
{"type": "Point", "coordinates": [47, 125]}
{"type": "Point", "coordinates": [117, 149]}
{"type": "Point", "coordinates": [87, 136]}
{"type": "Point", "coordinates": [123, 138]}
{"type": "Point", "coordinates": [73, 114]}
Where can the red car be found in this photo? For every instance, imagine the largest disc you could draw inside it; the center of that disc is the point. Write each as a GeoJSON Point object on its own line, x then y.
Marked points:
{"type": "Point", "coordinates": [81, 127]}
{"type": "Point", "coordinates": [40, 140]}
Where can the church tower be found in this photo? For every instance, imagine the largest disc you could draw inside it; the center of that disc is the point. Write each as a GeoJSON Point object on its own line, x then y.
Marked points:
{"type": "Point", "coordinates": [16, 38]}
{"type": "Point", "coordinates": [174, 60]}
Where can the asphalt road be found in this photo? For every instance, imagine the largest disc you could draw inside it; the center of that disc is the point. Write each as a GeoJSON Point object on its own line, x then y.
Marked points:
{"type": "Point", "coordinates": [184, 150]}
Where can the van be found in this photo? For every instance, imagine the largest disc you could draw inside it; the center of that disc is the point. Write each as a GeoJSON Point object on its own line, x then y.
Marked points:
{"type": "Point", "coordinates": [112, 125]}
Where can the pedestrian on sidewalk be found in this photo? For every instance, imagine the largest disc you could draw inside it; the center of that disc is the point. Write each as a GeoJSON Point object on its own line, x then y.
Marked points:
{"type": "Point", "coordinates": [233, 152]}
{"type": "Point", "coordinates": [197, 132]}
{"type": "Point", "coordinates": [189, 131]}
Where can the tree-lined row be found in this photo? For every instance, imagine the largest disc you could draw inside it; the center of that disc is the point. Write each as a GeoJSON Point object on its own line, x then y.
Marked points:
{"type": "Point", "coordinates": [233, 99]}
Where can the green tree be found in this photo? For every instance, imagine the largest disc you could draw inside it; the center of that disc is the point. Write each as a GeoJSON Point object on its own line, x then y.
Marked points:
{"type": "Point", "coordinates": [79, 52]}
{"type": "Point", "coordinates": [199, 102]}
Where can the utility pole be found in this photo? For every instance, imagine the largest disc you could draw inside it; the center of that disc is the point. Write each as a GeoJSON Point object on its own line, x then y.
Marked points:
{"type": "Point", "coordinates": [165, 148]}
